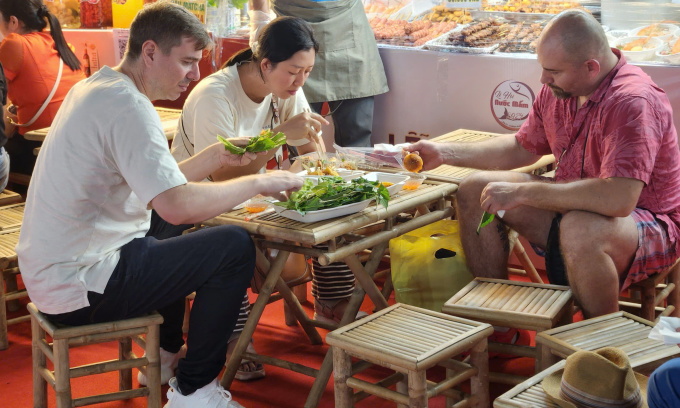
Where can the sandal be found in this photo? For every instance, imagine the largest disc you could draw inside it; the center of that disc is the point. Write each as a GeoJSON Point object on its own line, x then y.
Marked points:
{"type": "Point", "coordinates": [248, 370]}
{"type": "Point", "coordinates": [331, 311]}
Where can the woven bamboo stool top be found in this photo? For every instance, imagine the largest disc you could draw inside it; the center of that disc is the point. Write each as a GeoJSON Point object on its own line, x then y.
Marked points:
{"type": "Point", "coordinates": [11, 216]}
{"type": "Point", "coordinates": [529, 393]}
{"type": "Point", "coordinates": [8, 241]}
{"type": "Point", "coordinates": [623, 330]}
{"type": "Point", "coordinates": [522, 305]}
{"type": "Point", "coordinates": [408, 338]}
{"type": "Point", "coordinates": [9, 197]}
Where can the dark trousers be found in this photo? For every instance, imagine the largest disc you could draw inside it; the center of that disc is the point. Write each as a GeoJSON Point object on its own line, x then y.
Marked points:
{"type": "Point", "coordinates": [352, 120]}
{"type": "Point", "coordinates": [157, 272]}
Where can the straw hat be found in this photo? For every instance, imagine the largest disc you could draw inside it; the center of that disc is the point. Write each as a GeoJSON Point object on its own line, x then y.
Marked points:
{"type": "Point", "coordinates": [601, 378]}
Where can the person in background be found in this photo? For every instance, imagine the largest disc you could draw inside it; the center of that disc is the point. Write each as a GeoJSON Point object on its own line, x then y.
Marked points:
{"type": "Point", "coordinates": [40, 68]}
{"type": "Point", "coordinates": [4, 157]}
{"type": "Point", "coordinates": [90, 248]}
{"type": "Point", "coordinates": [348, 71]}
{"type": "Point", "coordinates": [611, 216]}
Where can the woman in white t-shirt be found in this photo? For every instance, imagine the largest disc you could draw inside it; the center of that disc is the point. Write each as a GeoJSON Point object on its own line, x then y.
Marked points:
{"type": "Point", "coordinates": [258, 88]}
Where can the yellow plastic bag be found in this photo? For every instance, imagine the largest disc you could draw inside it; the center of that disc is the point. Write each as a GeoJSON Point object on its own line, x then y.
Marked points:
{"type": "Point", "coordinates": [428, 265]}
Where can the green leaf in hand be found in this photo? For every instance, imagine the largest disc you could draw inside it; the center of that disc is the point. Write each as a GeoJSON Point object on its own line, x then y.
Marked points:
{"type": "Point", "coordinates": [233, 149]}
{"type": "Point", "coordinates": [486, 220]}
{"type": "Point", "coordinates": [263, 142]}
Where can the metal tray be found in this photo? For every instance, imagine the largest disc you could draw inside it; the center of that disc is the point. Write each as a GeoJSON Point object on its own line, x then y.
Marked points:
{"type": "Point", "coordinates": [441, 44]}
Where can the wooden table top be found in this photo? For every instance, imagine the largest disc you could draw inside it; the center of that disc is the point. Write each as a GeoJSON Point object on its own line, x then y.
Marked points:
{"type": "Point", "coordinates": [457, 174]}
{"type": "Point", "coordinates": [169, 118]}
{"type": "Point", "coordinates": [275, 226]}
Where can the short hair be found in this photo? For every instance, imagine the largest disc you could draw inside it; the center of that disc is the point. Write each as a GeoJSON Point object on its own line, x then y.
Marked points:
{"type": "Point", "coordinates": [580, 35]}
{"type": "Point", "coordinates": [166, 24]}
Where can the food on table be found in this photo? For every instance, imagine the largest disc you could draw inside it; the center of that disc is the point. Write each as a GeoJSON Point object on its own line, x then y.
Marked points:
{"type": "Point", "coordinates": [320, 167]}
{"type": "Point", "coordinates": [331, 192]}
{"type": "Point", "coordinates": [480, 35]}
{"type": "Point", "coordinates": [640, 44]}
{"type": "Point", "coordinates": [413, 162]}
{"type": "Point", "coordinates": [265, 141]}
{"type": "Point", "coordinates": [443, 14]}
{"type": "Point", "coordinates": [523, 37]}
{"type": "Point", "coordinates": [256, 206]}
{"type": "Point", "coordinates": [402, 32]}
{"type": "Point", "coordinates": [382, 9]}
{"type": "Point", "coordinates": [533, 6]}
{"type": "Point", "coordinates": [654, 30]}
{"type": "Point", "coordinates": [386, 183]}
{"type": "Point", "coordinates": [676, 47]}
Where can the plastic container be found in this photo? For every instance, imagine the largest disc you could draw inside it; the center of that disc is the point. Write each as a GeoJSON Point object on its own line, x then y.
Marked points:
{"type": "Point", "coordinates": [67, 11]}
{"type": "Point", "coordinates": [256, 205]}
{"type": "Point", "coordinates": [414, 181]}
{"type": "Point", "coordinates": [652, 45]}
{"type": "Point", "coordinates": [96, 13]}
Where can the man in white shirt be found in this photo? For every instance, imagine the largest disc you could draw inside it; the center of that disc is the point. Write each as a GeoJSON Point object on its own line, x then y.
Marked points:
{"type": "Point", "coordinates": [90, 250]}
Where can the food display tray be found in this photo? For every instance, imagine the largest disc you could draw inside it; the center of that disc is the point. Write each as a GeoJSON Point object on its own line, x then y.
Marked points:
{"type": "Point", "coordinates": [441, 44]}
{"type": "Point", "coordinates": [510, 16]}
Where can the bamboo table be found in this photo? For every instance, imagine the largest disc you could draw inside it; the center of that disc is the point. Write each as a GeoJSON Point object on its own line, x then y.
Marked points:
{"type": "Point", "coordinates": [457, 174]}
{"type": "Point", "coordinates": [269, 230]}
{"type": "Point", "coordinates": [169, 118]}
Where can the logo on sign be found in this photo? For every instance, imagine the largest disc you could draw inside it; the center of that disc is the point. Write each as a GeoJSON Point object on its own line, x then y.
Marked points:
{"type": "Point", "coordinates": [510, 103]}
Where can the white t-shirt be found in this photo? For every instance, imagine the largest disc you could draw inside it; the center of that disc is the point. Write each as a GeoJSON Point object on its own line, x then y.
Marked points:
{"type": "Point", "coordinates": [219, 106]}
{"type": "Point", "coordinates": [103, 161]}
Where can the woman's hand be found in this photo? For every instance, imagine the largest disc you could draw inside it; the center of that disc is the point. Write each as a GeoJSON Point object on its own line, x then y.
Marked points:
{"type": "Point", "coordinates": [305, 125]}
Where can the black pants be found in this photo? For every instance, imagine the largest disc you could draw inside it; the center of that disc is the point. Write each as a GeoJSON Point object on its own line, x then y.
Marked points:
{"type": "Point", "coordinates": [21, 152]}
{"type": "Point", "coordinates": [352, 120]}
{"type": "Point", "coordinates": [157, 272]}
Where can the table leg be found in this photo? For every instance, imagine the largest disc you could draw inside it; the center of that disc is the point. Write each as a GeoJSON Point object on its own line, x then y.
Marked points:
{"type": "Point", "coordinates": [295, 307]}
{"type": "Point", "coordinates": [365, 279]}
{"type": "Point", "coordinates": [273, 276]}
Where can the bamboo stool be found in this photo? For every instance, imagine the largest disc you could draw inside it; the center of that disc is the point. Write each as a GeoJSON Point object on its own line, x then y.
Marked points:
{"type": "Point", "coordinates": [623, 330]}
{"type": "Point", "coordinates": [64, 337]}
{"type": "Point", "coordinates": [529, 393]}
{"type": "Point", "coordinates": [11, 216]}
{"type": "Point", "coordinates": [8, 283]}
{"type": "Point", "coordinates": [410, 340]}
{"type": "Point", "coordinates": [519, 305]}
{"type": "Point", "coordinates": [9, 197]}
{"type": "Point", "coordinates": [658, 293]}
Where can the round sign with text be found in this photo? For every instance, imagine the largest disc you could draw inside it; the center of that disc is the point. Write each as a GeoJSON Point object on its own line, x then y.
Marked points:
{"type": "Point", "coordinates": [511, 102]}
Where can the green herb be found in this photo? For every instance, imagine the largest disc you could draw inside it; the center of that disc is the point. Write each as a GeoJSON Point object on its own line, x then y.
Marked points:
{"type": "Point", "coordinates": [236, 3]}
{"type": "Point", "coordinates": [331, 192]}
{"type": "Point", "coordinates": [261, 143]}
{"type": "Point", "coordinates": [486, 220]}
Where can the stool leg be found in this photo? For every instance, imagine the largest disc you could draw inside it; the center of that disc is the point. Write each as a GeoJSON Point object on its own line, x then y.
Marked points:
{"type": "Point", "coordinates": [648, 306]}
{"type": "Point", "coordinates": [342, 370]}
{"type": "Point", "coordinates": [62, 376]}
{"type": "Point", "coordinates": [153, 369]}
{"type": "Point", "coordinates": [417, 389]}
{"type": "Point", "coordinates": [39, 364]}
{"type": "Point", "coordinates": [402, 388]}
{"type": "Point", "coordinates": [11, 285]}
{"type": "Point", "coordinates": [479, 384]}
{"type": "Point", "coordinates": [674, 296]}
{"type": "Point", "coordinates": [125, 353]}
{"type": "Point", "coordinates": [4, 343]}
{"type": "Point", "coordinates": [547, 358]}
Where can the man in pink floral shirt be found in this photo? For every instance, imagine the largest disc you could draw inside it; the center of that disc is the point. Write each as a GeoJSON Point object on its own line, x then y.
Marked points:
{"type": "Point", "coordinates": [611, 217]}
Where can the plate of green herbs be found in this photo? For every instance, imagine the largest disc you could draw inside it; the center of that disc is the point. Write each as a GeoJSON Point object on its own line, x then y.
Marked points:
{"type": "Point", "coordinates": [330, 197]}
{"type": "Point", "coordinates": [263, 142]}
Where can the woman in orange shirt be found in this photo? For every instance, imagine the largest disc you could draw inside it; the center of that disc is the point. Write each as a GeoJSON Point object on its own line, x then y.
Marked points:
{"type": "Point", "coordinates": [32, 58]}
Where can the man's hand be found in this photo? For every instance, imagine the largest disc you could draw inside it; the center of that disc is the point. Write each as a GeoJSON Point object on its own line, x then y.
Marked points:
{"type": "Point", "coordinates": [229, 159]}
{"type": "Point", "coordinates": [500, 195]}
{"type": "Point", "coordinates": [430, 152]}
{"type": "Point", "coordinates": [279, 184]}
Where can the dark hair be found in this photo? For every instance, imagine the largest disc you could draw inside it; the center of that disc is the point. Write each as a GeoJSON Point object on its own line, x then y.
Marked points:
{"type": "Point", "coordinates": [166, 24]}
{"type": "Point", "coordinates": [33, 14]}
{"type": "Point", "coordinates": [278, 42]}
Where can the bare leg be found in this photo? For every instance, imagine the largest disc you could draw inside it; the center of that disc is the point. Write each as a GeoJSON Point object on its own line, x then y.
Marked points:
{"type": "Point", "coordinates": [597, 253]}
{"type": "Point", "coordinates": [487, 253]}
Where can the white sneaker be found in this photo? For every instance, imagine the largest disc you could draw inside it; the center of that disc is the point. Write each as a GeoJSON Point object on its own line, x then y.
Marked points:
{"type": "Point", "coordinates": [169, 363]}
{"type": "Point", "coordinates": [210, 396]}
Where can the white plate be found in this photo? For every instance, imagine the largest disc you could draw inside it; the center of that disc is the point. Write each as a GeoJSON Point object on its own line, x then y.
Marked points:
{"type": "Point", "coordinates": [325, 214]}
{"type": "Point", "coordinates": [398, 180]}
{"type": "Point", "coordinates": [344, 173]}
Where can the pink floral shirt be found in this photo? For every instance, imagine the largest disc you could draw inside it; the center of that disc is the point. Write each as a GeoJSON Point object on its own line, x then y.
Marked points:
{"type": "Point", "coordinates": [625, 129]}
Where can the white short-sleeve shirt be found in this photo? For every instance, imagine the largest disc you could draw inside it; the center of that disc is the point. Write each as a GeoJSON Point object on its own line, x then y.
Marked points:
{"type": "Point", "coordinates": [219, 106]}
{"type": "Point", "coordinates": [103, 161]}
